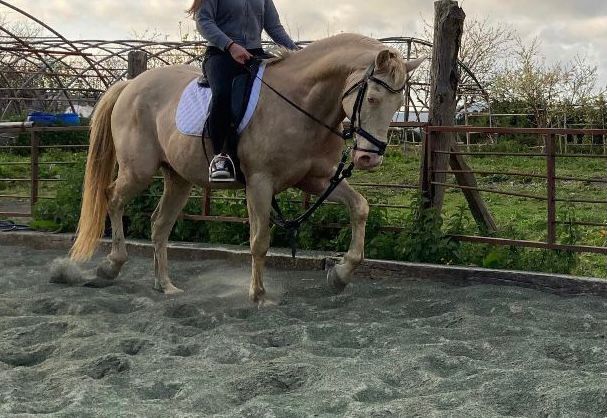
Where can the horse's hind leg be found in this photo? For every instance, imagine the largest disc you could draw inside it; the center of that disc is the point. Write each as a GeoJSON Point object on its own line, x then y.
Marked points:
{"type": "Point", "coordinates": [126, 186]}
{"type": "Point", "coordinates": [174, 198]}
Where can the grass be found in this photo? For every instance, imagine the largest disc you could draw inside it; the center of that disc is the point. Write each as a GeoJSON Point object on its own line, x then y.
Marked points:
{"type": "Point", "coordinates": [19, 167]}
{"type": "Point", "coordinates": [525, 216]}
{"type": "Point", "coordinates": [516, 217]}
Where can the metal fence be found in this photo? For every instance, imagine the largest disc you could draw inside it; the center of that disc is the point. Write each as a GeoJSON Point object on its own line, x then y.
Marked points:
{"type": "Point", "coordinates": [205, 195]}
{"type": "Point", "coordinates": [550, 153]}
{"type": "Point", "coordinates": [35, 147]}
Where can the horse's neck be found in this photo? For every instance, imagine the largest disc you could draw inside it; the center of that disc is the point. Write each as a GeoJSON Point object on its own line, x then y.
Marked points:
{"type": "Point", "coordinates": [331, 65]}
{"type": "Point", "coordinates": [321, 78]}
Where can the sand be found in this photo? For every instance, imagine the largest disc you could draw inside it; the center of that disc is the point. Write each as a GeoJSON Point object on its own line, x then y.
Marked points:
{"type": "Point", "coordinates": [384, 348]}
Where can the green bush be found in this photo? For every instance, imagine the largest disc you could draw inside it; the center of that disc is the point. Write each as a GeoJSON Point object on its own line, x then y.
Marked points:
{"type": "Point", "coordinates": [527, 259]}
{"type": "Point", "coordinates": [424, 238]}
{"type": "Point", "coordinates": [64, 210]}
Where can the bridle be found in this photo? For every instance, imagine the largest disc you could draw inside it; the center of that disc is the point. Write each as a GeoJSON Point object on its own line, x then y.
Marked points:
{"type": "Point", "coordinates": [363, 86]}
{"type": "Point", "coordinates": [355, 123]}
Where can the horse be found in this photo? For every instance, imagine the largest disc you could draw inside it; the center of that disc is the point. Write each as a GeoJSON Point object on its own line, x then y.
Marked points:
{"type": "Point", "coordinates": [133, 127]}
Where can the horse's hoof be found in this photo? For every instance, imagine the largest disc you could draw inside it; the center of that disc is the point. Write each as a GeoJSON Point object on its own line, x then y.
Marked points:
{"type": "Point", "coordinates": [334, 282]}
{"type": "Point", "coordinates": [107, 270]}
{"type": "Point", "coordinates": [167, 289]}
{"type": "Point", "coordinates": [257, 296]}
{"type": "Point", "coordinates": [172, 290]}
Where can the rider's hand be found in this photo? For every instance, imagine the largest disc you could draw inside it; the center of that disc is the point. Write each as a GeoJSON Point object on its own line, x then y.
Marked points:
{"type": "Point", "coordinates": [239, 54]}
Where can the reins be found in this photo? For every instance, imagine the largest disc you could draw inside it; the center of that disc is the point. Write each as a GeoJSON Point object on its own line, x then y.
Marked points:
{"type": "Point", "coordinates": [342, 172]}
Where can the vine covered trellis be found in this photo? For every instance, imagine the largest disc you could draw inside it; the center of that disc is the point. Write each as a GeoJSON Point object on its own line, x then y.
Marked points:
{"type": "Point", "coordinates": [40, 70]}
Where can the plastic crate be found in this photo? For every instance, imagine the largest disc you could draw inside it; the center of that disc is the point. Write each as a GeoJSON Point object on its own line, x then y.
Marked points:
{"type": "Point", "coordinates": [68, 119]}
{"type": "Point", "coordinates": [42, 118]}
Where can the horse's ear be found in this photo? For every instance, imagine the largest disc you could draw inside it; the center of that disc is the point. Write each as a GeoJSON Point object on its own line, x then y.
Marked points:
{"type": "Point", "coordinates": [382, 59]}
{"type": "Point", "coordinates": [410, 66]}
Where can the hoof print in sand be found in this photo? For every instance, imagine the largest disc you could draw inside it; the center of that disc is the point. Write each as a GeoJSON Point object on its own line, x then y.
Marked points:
{"type": "Point", "coordinates": [160, 390]}
{"type": "Point", "coordinates": [99, 283]}
{"type": "Point", "coordinates": [34, 334]}
{"type": "Point", "coordinates": [54, 306]}
{"type": "Point", "coordinates": [284, 337]}
{"type": "Point", "coordinates": [134, 346]}
{"type": "Point", "coordinates": [107, 365]}
{"type": "Point", "coordinates": [274, 380]}
{"type": "Point", "coordinates": [20, 358]}
{"type": "Point", "coordinates": [182, 310]}
{"type": "Point", "coordinates": [376, 394]}
{"type": "Point", "coordinates": [186, 350]}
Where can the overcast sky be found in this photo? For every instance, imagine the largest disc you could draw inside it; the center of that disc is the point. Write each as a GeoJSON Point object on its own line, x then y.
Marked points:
{"type": "Point", "coordinates": [565, 27]}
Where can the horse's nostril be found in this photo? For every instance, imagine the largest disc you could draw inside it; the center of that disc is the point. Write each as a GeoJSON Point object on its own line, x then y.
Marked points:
{"type": "Point", "coordinates": [365, 159]}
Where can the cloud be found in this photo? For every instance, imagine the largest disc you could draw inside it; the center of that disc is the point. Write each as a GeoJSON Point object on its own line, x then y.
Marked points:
{"type": "Point", "coordinates": [564, 26]}
{"type": "Point", "coordinates": [544, 10]}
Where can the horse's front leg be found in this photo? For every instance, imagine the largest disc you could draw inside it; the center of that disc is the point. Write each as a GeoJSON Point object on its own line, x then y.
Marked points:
{"type": "Point", "coordinates": [341, 274]}
{"type": "Point", "coordinates": [259, 201]}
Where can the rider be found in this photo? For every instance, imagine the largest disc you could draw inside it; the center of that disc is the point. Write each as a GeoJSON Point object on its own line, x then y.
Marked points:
{"type": "Point", "coordinates": [233, 31]}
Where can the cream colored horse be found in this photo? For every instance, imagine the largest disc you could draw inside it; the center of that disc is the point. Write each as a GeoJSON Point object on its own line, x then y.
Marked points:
{"type": "Point", "coordinates": [134, 126]}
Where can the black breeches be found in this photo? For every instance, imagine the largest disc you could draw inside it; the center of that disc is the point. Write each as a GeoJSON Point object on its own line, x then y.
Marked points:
{"type": "Point", "coordinates": [220, 69]}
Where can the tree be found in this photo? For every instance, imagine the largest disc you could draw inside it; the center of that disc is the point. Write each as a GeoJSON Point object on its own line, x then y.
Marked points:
{"type": "Point", "coordinates": [527, 78]}
{"type": "Point", "coordinates": [483, 51]}
{"type": "Point", "coordinates": [544, 89]}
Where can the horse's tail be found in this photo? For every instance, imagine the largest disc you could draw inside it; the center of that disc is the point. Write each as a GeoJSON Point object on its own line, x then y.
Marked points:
{"type": "Point", "coordinates": [100, 165]}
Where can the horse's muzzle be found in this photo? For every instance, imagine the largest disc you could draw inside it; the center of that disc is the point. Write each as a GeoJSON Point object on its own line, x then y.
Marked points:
{"type": "Point", "coordinates": [366, 160]}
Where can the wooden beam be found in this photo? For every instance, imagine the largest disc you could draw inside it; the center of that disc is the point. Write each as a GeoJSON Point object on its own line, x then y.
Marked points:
{"type": "Point", "coordinates": [477, 205]}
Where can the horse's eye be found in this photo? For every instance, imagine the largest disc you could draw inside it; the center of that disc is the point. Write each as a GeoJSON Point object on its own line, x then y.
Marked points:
{"type": "Point", "coordinates": [373, 100]}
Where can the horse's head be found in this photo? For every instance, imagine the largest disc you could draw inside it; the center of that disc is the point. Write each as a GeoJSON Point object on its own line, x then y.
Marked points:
{"type": "Point", "coordinates": [371, 98]}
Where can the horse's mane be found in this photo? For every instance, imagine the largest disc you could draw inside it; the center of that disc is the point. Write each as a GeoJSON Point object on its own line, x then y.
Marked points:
{"type": "Point", "coordinates": [280, 54]}
{"type": "Point", "coordinates": [343, 40]}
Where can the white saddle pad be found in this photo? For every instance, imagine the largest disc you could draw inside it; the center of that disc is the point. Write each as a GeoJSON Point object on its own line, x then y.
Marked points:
{"type": "Point", "coordinates": [193, 108]}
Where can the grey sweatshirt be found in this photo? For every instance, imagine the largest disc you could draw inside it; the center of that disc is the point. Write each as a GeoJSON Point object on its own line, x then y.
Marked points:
{"type": "Point", "coordinates": [222, 21]}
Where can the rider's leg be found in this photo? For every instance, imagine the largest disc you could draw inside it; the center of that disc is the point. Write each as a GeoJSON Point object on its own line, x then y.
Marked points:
{"type": "Point", "coordinates": [220, 69]}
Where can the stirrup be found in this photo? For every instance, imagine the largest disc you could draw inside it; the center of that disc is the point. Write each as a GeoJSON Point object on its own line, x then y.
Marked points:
{"type": "Point", "coordinates": [230, 179]}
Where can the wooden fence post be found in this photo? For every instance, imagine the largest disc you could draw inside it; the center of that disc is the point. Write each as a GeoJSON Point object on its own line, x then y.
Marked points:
{"type": "Point", "coordinates": [35, 169]}
{"type": "Point", "coordinates": [306, 201]}
{"type": "Point", "coordinates": [551, 188]}
{"type": "Point", "coordinates": [444, 79]}
{"type": "Point", "coordinates": [137, 64]}
{"type": "Point", "coordinates": [206, 201]}
{"type": "Point", "coordinates": [425, 181]}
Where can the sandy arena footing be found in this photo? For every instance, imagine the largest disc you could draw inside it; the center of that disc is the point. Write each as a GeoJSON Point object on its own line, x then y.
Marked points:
{"type": "Point", "coordinates": [387, 347]}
